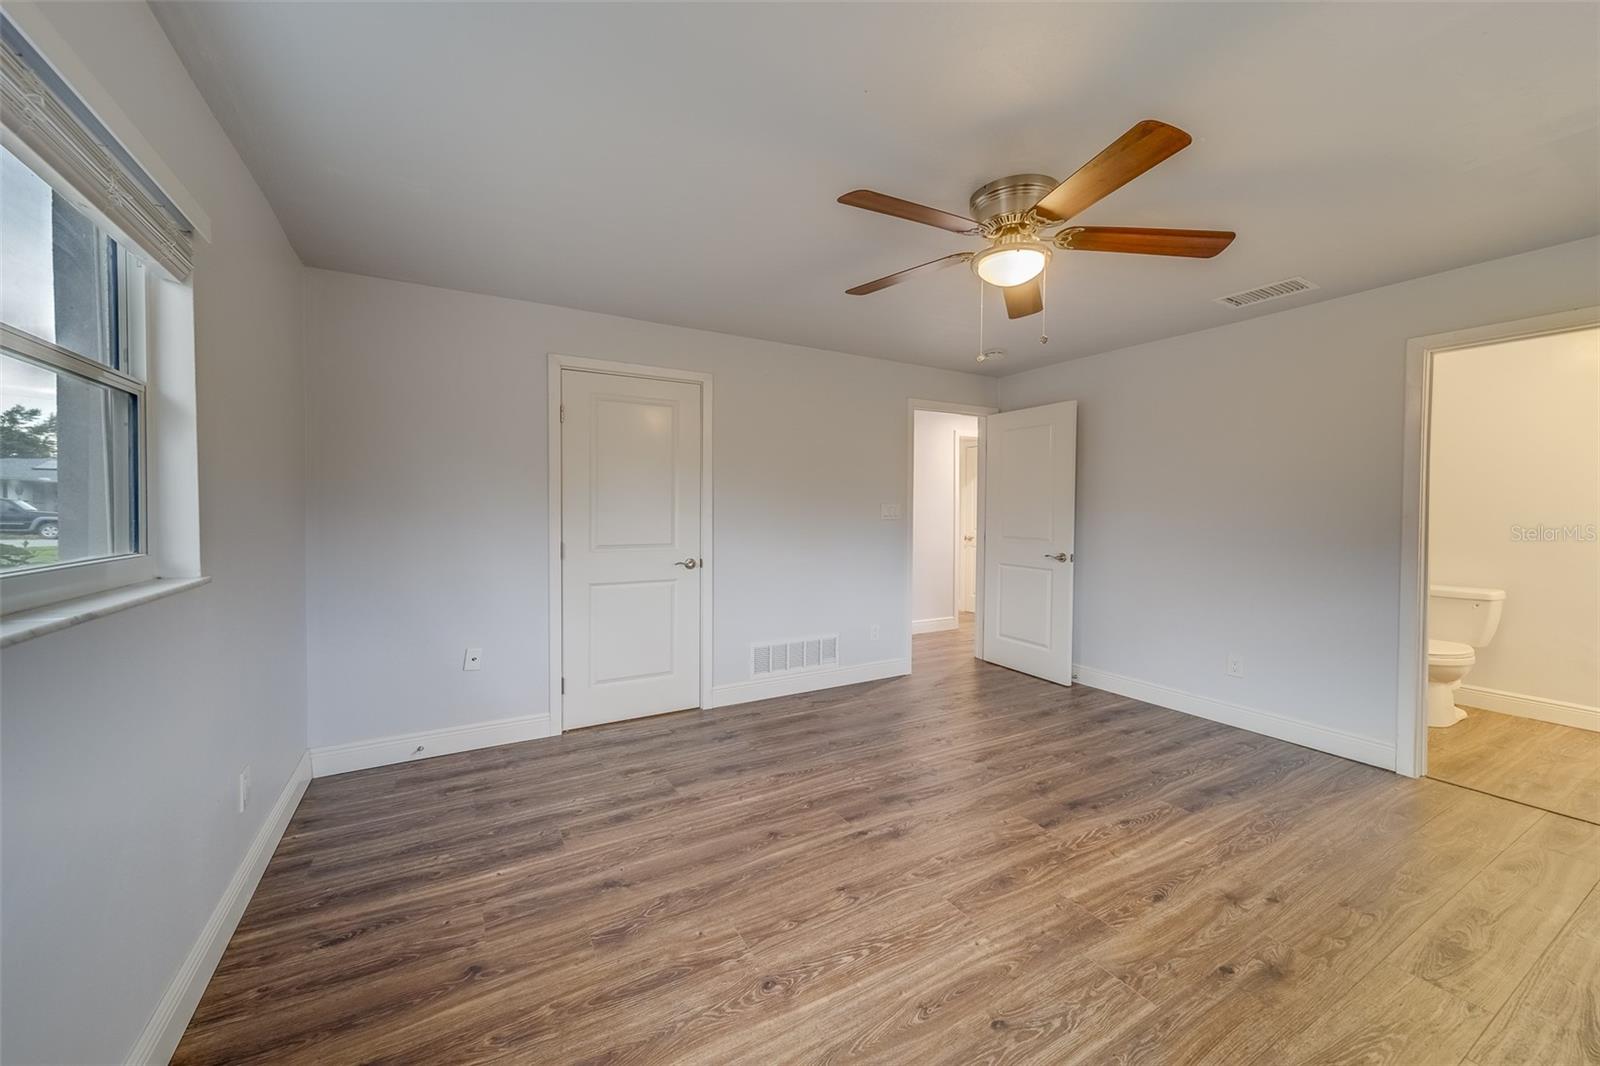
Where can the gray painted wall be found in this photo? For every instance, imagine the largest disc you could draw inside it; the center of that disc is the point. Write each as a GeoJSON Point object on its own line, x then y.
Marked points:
{"type": "Point", "coordinates": [121, 739]}
{"type": "Point", "coordinates": [1239, 490]}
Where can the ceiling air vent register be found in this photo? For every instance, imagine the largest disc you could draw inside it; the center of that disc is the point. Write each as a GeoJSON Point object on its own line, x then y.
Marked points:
{"type": "Point", "coordinates": [789, 656]}
{"type": "Point", "coordinates": [1276, 291]}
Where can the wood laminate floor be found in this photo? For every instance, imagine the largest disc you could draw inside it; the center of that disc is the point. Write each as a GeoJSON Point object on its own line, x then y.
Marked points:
{"type": "Point", "coordinates": [964, 866]}
{"type": "Point", "coordinates": [1556, 767]}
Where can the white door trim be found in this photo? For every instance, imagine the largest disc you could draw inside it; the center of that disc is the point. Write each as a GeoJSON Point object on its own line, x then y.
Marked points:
{"type": "Point", "coordinates": [1411, 720]}
{"type": "Point", "coordinates": [912, 407]}
{"type": "Point", "coordinates": [558, 363]}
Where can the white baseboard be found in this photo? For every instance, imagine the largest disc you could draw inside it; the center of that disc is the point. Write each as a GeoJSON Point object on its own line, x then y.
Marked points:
{"type": "Point", "coordinates": [1576, 715]}
{"type": "Point", "coordinates": [1319, 738]}
{"type": "Point", "coordinates": [176, 1006]}
{"type": "Point", "coordinates": [934, 625]}
{"type": "Point", "coordinates": [806, 681]}
{"type": "Point", "coordinates": [406, 747]}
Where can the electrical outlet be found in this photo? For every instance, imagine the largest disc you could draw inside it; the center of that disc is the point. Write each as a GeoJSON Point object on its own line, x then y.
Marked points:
{"type": "Point", "coordinates": [875, 632]}
{"type": "Point", "coordinates": [889, 511]}
{"type": "Point", "coordinates": [473, 659]}
{"type": "Point", "coordinates": [244, 789]}
{"type": "Point", "coordinates": [1235, 666]}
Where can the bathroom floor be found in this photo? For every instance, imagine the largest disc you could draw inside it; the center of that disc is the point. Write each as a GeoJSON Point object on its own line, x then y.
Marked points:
{"type": "Point", "coordinates": [1555, 767]}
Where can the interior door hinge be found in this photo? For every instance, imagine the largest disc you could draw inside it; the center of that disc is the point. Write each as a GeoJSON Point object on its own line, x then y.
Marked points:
{"type": "Point", "coordinates": [563, 686]}
{"type": "Point", "coordinates": [563, 412]}
{"type": "Point", "coordinates": [563, 549]}
{"type": "Point", "coordinates": [1072, 557]}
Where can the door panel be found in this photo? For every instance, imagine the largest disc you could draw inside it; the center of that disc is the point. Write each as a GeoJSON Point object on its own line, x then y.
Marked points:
{"type": "Point", "coordinates": [1026, 511]}
{"type": "Point", "coordinates": [1024, 604]}
{"type": "Point", "coordinates": [630, 505]}
{"type": "Point", "coordinates": [1030, 470]}
{"type": "Point", "coordinates": [634, 498]}
{"type": "Point", "coordinates": [631, 630]}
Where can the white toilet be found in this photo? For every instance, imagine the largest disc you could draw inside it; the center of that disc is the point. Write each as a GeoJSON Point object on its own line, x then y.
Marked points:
{"type": "Point", "coordinates": [1460, 620]}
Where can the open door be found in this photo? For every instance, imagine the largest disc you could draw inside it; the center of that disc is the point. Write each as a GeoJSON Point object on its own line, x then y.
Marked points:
{"type": "Point", "coordinates": [1030, 471]}
{"type": "Point", "coordinates": [967, 525]}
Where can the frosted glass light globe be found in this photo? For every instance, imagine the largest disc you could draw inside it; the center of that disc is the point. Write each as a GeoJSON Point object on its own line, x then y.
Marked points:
{"type": "Point", "coordinates": [1007, 265]}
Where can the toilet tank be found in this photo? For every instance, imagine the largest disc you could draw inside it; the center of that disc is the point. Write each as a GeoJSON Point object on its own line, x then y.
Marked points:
{"type": "Point", "coordinates": [1460, 613]}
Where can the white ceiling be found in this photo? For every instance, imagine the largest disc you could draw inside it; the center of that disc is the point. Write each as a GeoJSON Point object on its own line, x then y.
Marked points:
{"type": "Point", "coordinates": [679, 164]}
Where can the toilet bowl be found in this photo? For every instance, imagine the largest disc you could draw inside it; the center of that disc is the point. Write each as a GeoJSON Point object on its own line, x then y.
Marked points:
{"type": "Point", "coordinates": [1461, 619]}
{"type": "Point", "coordinates": [1448, 663]}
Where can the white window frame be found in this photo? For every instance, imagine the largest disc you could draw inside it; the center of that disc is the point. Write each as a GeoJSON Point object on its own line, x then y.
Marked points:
{"type": "Point", "coordinates": [138, 311]}
{"type": "Point", "coordinates": [37, 586]}
{"type": "Point", "coordinates": [82, 144]}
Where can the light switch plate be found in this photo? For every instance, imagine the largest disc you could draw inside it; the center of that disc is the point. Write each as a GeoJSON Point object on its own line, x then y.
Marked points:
{"type": "Point", "coordinates": [889, 511]}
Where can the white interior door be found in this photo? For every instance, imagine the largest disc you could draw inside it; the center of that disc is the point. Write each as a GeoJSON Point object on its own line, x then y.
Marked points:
{"type": "Point", "coordinates": [1030, 474]}
{"type": "Point", "coordinates": [630, 541]}
{"type": "Point", "coordinates": [967, 526]}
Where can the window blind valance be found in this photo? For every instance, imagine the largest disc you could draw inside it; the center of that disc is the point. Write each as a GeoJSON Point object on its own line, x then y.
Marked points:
{"type": "Point", "coordinates": [44, 114]}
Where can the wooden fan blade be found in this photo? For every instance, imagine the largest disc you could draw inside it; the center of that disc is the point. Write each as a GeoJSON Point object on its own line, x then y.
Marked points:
{"type": "Point", "coordinates": [905, 275]}
{"type": "Point", "coordinates": [1194, 243]}
{"type": "Point", "coordinates": [1130, 155]}
{"type": "Point", "coordinates": [1025, 299]}
{"type": "Point", "coordinates": [868, 200]}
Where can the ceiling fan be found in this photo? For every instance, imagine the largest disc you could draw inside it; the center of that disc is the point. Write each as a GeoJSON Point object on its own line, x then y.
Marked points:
{"type": "Point", "coordinates": [1013, 214]}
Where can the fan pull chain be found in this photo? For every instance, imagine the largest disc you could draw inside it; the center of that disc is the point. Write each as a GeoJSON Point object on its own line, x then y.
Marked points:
{"type": "Point", "coordinates": [981, 355]}
{"type": "Point", "coordinates": [1044, 293]}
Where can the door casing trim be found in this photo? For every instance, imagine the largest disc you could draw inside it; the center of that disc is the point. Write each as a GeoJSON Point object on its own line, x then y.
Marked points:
{"type": "Point", "coordinates": [558, 363]}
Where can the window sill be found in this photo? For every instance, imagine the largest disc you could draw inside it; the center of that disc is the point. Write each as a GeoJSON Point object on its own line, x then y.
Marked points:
{"type": "Point", "coordinates": [37, 621]}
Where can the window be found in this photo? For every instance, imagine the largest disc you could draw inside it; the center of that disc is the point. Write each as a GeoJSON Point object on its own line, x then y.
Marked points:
{"type": "Point", "coordinates": [98, 487]}
{"type": "Point", "coordinates": [72, 391]}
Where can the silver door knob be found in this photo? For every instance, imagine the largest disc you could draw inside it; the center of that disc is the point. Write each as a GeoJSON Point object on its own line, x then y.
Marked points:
{"type": "Point", "coordinates": [1059, 557]}
{"type": "Point", "coordinates": [688, 564]}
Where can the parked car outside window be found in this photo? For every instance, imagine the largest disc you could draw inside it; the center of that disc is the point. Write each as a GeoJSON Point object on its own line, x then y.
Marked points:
{"type": "Point", "coordinates": [21, 517]}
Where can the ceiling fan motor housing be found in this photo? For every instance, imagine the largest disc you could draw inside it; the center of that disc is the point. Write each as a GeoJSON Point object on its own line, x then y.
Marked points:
{"type": "Point", "coordinates": [1012, 195]}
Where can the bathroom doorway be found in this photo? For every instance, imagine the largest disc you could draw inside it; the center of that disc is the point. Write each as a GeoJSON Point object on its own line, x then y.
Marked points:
{"type": "Point", "coordinates": [1507, 581]}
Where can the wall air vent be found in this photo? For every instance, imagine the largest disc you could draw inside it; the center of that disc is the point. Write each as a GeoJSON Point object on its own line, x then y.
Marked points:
{"type": "Point", "coordinates": [1275, 291]}
{"type": "Point", "coordinates": [788, 656]}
